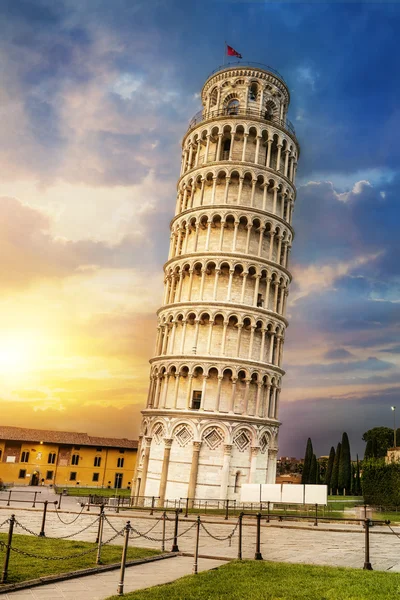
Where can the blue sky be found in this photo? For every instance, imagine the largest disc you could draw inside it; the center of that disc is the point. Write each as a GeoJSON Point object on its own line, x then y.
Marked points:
{"type": "Point", "coordinates": [95, 98]}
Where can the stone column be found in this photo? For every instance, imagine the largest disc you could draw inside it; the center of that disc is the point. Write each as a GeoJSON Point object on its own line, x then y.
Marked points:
{"type": "Point", "coordinates": [145, 466]}
{"type": "Point", "coordinates": [193, 471]}
{"type": "Point", "coordinates": [253, 464]}
{"type": "Point", "coordinates": [278, 158]}
{"type": "Point", "coordinates": [268, 161]}
{"type": "Point", "coordinates": [164, 471]}
{"type": "Point", "coordinates": [246, 135]}
{"type": "Point", "coordinates": [225, 471]}
{"type": "Point", "coordinates": [257, 149]}
{"type": "Point", "coordinates": [271, 470]}
{"type": "Point", "coordinates": [227, 182]}
{"type": "Point", "coordinates": [207, 149]}
{"type": "Point", "coordinates": [134, 490]}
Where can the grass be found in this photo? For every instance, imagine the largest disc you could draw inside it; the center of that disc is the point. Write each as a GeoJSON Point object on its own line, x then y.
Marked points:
{"type": "Point", "coordinates": [106, 492]}
{"type": "Point", "coordinates": [276, 581]}
{"type": "Point", "coordinates": [23, 568]}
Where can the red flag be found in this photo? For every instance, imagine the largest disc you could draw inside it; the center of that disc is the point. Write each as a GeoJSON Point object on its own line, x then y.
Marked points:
{"type": "Point", "coordinates": [232, 52]}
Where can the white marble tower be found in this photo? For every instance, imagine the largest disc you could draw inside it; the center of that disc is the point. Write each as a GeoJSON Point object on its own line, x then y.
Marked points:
{"type": "Point", "coordinates": [211, 420]}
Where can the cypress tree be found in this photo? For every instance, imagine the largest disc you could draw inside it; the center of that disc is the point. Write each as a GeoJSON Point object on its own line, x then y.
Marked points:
{"type": "Point", "coordinates": [328, 475]}
{"type": "Point", "coordinates": [335, 470]}
{"type": "Point", "coordinates": [305, 478]}
{"type": "Point", "coordinates": [358, 479]}
{"type": "Point", "coordinates": [344, 476]}
{"type": "Point", "coordinates": [313, 470]}
{"type": "Point", "coordinates": [352, 489]}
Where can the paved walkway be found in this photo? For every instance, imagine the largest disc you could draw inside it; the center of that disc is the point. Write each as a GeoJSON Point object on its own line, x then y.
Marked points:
{"type": "Point", "coordinates": [103, 585]}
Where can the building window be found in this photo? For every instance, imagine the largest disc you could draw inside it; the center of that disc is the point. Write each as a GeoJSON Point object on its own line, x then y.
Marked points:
{"type": "Point", "coordinates": [253, 91]}
{"type": "Point", "coordinates": [118, 480]}
{"type": "Point", "coordinates": [52, 458]}
{"type": "Point", "coordinates": [22, 474]}
{"type": "Point", "coordinates": [99, 449]}
{"type": "Point", "coordinates": [95, 477]}
{"type": "Point", "coordinates": [226, 149]}
{"type": "Point", "coordinates": [75, 459]}
{"type": "Point", "coordinates": [233, 107]}
{"type": "Point", "coordinates": [120, 463]}
{"type": "Point", "coordinates": [121, 451]}
{"type": "Point", "coordinates": [260, 300]}
{"type": "Point", "coordinates": [97, 461]}
{"type": "Point", "coordinates": [72, 476]}
{"type": "Point", "coordinates": [49, 475]}
{"type": "Point", "coordinates": [24, 457]}
{"type": "Point", "coordinates": [196, 400]}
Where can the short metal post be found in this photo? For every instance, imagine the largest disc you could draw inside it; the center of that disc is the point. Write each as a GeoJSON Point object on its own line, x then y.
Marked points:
{"type": "Point", "coordinates": [226, 510]}
{"type": "Point", "coordinates": [316, 516]}
{"type": "Point", "coordinates": [88, 504]}
{"type": "Point", "coordinates": [196, 550]}
{"type": "Point", "coordinates": [120, 589]}
{"type": "Point", "coordinates": [99, 539]}
{"type": "Point", "coordinates": [9, 497]}
{"type": "Point", "coordinates": [59, 502]}
{"type": "Point", "coordinates": [367, 564]}
{"type": "Point", "coordinates": [365, 511]}
{"type": "Point", "coordinates": [118, 501]}
{"type": "Point", "coordinates": [163, 531]}
{"type": "Point", "coordinates": [34, 500]}
{"type": "Point", "coordinates": [240, 536]}
{"type": "Point", "coordinates": [8, 549]}
{"type": "Point", "coordinates": [268, 512]}
{"type": "Point", "coordinates": [175, 542]}
{"type": "Point", "coordinates": [258, 555]}
{"type": "Point", "coordinates": [152, 506]}
{"type": "Point", "coordinates": [100, 527]}
{"type": "Point", "coordinates": [187, 507]}
{"type": "Point", "coordinates": [42, 533]}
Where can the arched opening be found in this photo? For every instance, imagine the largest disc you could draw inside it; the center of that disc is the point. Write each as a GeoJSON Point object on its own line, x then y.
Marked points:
{"type": "Point", "coordinates": [232, 108]}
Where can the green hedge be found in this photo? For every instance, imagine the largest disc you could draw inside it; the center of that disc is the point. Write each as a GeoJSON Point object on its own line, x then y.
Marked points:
{"type": "Point", "coordinates": [381, 482]}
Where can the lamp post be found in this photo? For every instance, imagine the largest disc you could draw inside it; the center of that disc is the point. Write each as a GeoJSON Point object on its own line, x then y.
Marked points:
{"type": "Point", "coordinates": [394, 424]}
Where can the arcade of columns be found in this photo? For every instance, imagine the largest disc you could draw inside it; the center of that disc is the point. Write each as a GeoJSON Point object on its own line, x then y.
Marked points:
{"type": "Point", "coordinates": [211, 420]}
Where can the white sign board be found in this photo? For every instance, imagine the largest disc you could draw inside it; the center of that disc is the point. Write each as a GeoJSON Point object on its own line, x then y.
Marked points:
{"type": "Point", "coordinates": [292, 494]}
{"type": "Point", "coordinates": [284, 493]}
{"type": "Point", "coordinates": [316, 494]}
{"type": "Point", "coordinates": [270, 492]}
{"type": "Point", "coordinates": [250, 492]}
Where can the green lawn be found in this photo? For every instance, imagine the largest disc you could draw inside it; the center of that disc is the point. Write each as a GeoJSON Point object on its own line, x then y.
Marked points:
{"type": "Point", "coordinates": [276, 581]}
{"type": "Point", "coordinates": [22, 568]}
{"type": "Point", "coordinates": [82, 491]}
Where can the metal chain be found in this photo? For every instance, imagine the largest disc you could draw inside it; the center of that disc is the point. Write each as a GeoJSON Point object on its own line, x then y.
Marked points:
{"type": "Point", "coordinates": [4, 523]}
{"type": "Point", "coordinates": [216, 537]}
{"type": "Point", "coordinates": [18, 524]}
{"type": "Point", "coordinates": [76, 518]}
{"type": "Point", "coordinates": [392, 530]}
{"type": "Point", "coordinates": [135, 537]}
{"type": "Point", "coordinates": [153, 539]}
{"type": "Point", "coordinates": [3, 546]}
{"type": "Point", "coordinates": [65, 537]}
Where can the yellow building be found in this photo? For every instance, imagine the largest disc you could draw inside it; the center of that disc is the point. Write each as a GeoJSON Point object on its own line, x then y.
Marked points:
{"type": "Point", "coordinates": [65, 458]}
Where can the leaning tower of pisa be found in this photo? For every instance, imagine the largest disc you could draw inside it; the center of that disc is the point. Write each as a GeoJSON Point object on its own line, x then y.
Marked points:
{"type": "Point", "coordinates": [211, 420]}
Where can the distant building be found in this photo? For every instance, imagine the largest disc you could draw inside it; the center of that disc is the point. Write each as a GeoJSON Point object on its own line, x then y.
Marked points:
{"type": "Point", "coordinates": [393, 455]}
{"type": "Point", "coordinates": [65, 458]}
{"type": "Point", "coordinates": [288, 478]}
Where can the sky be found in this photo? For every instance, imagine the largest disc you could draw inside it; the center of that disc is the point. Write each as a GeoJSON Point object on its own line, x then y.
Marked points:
{"type": "Point", "coordinates": [95, 98]}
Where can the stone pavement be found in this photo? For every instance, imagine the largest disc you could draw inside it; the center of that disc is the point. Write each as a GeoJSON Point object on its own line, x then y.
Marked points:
{"type": "Point", "coordinates": [103, 585]}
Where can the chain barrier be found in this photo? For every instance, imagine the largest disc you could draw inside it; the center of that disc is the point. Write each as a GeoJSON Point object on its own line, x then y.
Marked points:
{"type": "Point", "coordinates": [392, 530]}
{"type": "Point", "coordinates": [18, 524]}
{"type": "Point", "coordinates": [3, 546]}
{"type": "Point", "coordinates": [66, 537]}
{"type": "Point", "coordinates": [153, 539]}
{"type": "Point", "coordinates": [70, 522]}
{"type": "Point", "coordinates": [130, 534]}
{"type": "Point", "coordinates": [218, 538]}
{"type": "Point", "coordinates": [63, 537]}
{"type": "Point", "coordinates": [4, 523]}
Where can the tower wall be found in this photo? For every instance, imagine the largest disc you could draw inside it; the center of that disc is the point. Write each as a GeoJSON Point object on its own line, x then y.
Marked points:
{"type": "Point", "coordinates": [211, 419]}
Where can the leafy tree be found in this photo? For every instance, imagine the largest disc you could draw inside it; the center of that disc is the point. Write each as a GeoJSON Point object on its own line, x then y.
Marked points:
{"type": "Point", "coordinates": [313, 470]}
{"type": "Point", "coordinates": [382, 439]}
{"type": "Point", "coordinates": [381, 482]}
{"type": "Point", "coordinates": [305, 478]}
{"type": "Point", "coordinates": [335, 470]}
{"type": "Point", "coordinates": [328, 474]}
{"type": "Point", "coordinates": [344, 476]}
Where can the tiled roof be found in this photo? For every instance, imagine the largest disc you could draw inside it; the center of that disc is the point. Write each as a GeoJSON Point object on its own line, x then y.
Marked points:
{"type": "Point", "coordinates": [21, 434]}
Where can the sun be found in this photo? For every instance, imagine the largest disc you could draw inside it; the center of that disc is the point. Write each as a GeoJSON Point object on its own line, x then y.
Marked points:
{"type": "Point", "coordinates": [19, 353]}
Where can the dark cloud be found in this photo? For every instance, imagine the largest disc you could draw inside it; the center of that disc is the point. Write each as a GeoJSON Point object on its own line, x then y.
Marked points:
{"type": "Point", "coordinates": [338, 354]}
